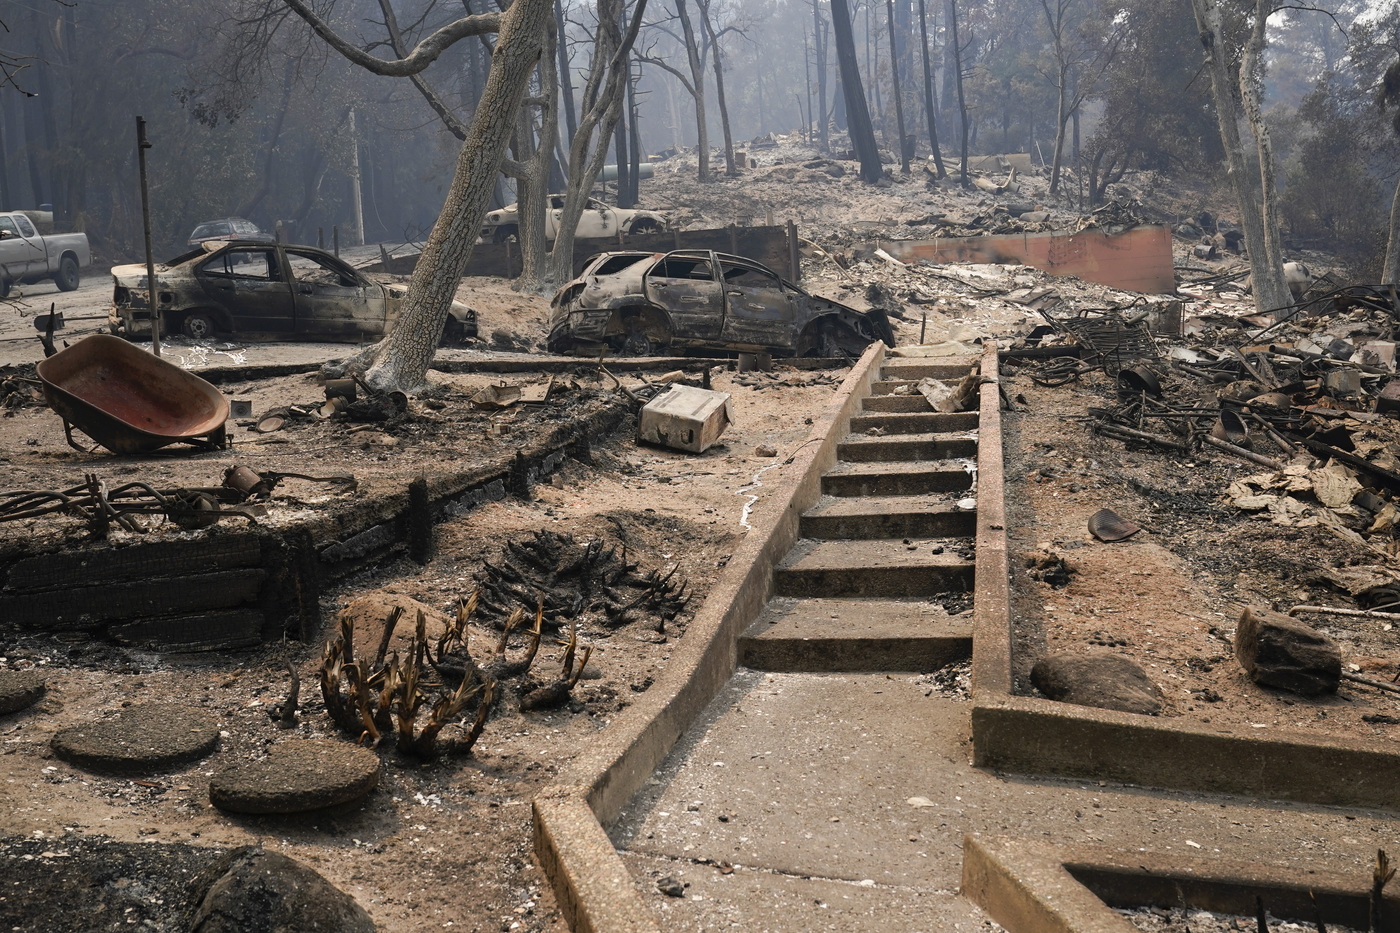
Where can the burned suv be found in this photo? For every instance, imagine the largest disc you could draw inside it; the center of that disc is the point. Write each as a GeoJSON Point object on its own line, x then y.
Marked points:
{"type": "Point", "coordinates": [242, 287]}
{"type": "Point", "coordinates": [644, 303]}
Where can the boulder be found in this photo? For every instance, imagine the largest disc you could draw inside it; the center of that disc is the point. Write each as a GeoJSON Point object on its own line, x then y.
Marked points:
{"type": "Point", "coordinates": [1108, 681]}
{"type": "Point", "coordinates": [263, 892]}
{"type": "Point", "coordinates": [1279, 651]}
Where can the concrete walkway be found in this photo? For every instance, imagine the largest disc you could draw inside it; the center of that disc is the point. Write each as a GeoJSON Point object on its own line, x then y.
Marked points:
{"type": "Point", "coordinates": [828, 787]}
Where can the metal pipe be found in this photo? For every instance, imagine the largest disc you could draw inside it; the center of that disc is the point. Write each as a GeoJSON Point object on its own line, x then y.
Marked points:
{"type": "Point", "coordinates": [142, 144]}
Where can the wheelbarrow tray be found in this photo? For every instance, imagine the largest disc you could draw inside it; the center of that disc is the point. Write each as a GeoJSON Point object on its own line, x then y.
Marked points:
{"type": "Point", "coordinates": [130, 401]}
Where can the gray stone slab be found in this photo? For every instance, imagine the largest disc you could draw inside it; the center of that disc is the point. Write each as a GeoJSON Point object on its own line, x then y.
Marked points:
{"type": "Point", "coordinates": [757, 900]}
{"type": "Point", "coordinates": [855, 635]}
{"type": "Point", "coordinates": [296, 777]}
{"type": "Point", "coordinates": [814, 775]}
{"type": "Point", "coordinates": [20, 690]}
{"type": "Point", "coordinates": [140, 739]}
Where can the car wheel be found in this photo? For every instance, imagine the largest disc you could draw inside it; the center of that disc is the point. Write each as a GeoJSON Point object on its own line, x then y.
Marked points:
{"type": "Point", "coordinates": [67, 277]}
{"type": "Point", "coordinates": [646, 225]}
{"type": "Point", "coordinates": [198, 325]}
{"type": "Point", "coordinates": [510, 233]}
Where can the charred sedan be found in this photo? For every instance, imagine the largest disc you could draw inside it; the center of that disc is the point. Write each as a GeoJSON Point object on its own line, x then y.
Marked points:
{"type": "Point", "coordinates": [249, 287]}
{"type": "Point", "coordinates": [643, 303]}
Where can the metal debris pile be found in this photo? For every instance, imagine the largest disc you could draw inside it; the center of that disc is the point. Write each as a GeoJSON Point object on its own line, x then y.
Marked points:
{"type": "Point", "coordinates": [138, 507]}
{"type": "Point", "coordinates": [1312, 400]}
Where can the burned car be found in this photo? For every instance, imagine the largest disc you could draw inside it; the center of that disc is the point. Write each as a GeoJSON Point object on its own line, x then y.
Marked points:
{"type": "Point", "coordinates": [644, 303]}
{"type": "Point", "coordinates": [597, 220]}
{"type": "Point", "coordinates": [249, 287]}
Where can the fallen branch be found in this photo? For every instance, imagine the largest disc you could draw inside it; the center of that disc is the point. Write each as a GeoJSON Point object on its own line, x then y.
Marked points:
{"type": "Point", "coordinates": [1371, 682]}
{"type": "Point", "coordinates": [1242, 453]}
{"type": "Point", "coordinates": [1360, 613]}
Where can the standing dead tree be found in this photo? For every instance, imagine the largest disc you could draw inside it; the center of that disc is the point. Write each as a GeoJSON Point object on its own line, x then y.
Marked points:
{"type": "Point", "coordinates": [898, 97]}
{"type": "Point", "coordinates": [857, 112]}
{"type": "Point", "coordinates": [1081, 56]}
{"type": "Point", "coordinates": [1254, 188]}
{"type": "Point", "coordinates": [717, 59]}
{"type": "Point", "coordinates": [1388, 95]}
{"type": "Point", "coordinates": [603, 97]}
{"type": "Point", "coordinates": [694, 84]}
{"type": "Point", "coordinates": [930, 105]}
{"type": "Point", "coordinates": [401, 360]}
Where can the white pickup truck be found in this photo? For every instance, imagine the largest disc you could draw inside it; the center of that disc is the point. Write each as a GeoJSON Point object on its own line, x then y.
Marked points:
{"type": "Point", "coordinates": [28, 256]}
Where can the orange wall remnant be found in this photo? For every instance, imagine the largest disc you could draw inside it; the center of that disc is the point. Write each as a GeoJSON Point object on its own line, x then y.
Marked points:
{"type": "Point", "coordinates": [1137, 260]}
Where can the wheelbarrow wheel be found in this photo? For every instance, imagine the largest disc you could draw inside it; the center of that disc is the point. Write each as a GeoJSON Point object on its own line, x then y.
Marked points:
{"type": "Point", "coordinates": [199, 325]}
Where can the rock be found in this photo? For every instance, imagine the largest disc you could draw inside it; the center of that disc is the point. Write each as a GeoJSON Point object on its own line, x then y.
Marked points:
{"type": "Point", "coordinates": [296, 777]}
{"type": "Point", "coordinates": [369, 613]}
{"type": "Point", "coordinates": [1279, 651]}
{"type": "Point", "coordinates": [263, 892]}
{"type": "Point", "coordinates": [140, 739]}
{"type": "Point", "coordinates": [1036, 217]}
{"type": "Point", "coordinates": [671, 887]}
{"type": "Point", "coordinates": [1108, 681]}
{"type": "Point", "coordinates": [20, 690]}
{"type": "Point", "coordinates": [765, 450]}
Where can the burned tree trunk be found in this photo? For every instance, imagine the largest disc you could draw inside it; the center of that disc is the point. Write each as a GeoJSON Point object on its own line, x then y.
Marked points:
{"type": "Point", "coordinates": [566, 79]}
{"type": "Point", "coordinates": [1270, 289]}
{"type": "Point", "coordinates": [401, 360]}
{"type": "Point", "coordinates": [857, 112]}
{"type": "Point", "coordinates": [929, 105]}
{"type": "Point", "coordinates": [898, 98]}
{"type": "Point", "coordinates": [696, 88]}
{"type": "Point", "coordinates": [962, 99]}
{"type": "Point", "coordinates": [603, 99]}
{"type": "Point", "coordinates": [822, 42]}
{"type": "Point", "coordinates": [708, 25]}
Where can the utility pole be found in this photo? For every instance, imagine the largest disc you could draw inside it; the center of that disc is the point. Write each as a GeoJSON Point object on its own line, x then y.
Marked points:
{"type": "Point", "coordinates": [355, 196]}
{"type": "Point", "coordinates": [142, 144]}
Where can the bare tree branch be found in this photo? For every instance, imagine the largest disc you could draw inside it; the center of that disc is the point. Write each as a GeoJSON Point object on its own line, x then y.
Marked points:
{"type": "Point", "coordinates": [423, 54]}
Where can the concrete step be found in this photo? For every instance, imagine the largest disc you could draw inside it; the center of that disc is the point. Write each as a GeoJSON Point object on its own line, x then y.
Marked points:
{"type": "Point", "coordinates": [897, 403]}
{"type": "Point", "coordinates": [928, 422]}
{"type": "Point", "coordinates": [886, 386]}
{"type": "Point", "coordinates": [933, 368]}
{"type": "Point", "coordinates": [866, 517]}
{"type": "Point", "coordinates": [884, 569]}
{"type": "Point", "coordinates": [864, 635]}
{"type": "Point", "coordinates": [862, 448]}
{"type": "Point", "coordinates": [895, 478]}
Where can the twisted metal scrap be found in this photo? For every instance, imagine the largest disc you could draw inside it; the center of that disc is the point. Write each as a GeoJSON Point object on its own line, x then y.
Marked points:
{"type": "Point", "coordinates": [101, 508]}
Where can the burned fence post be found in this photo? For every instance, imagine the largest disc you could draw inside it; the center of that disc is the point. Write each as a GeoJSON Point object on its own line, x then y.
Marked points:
{"type": "Point", "coordinates": [518, 483]}
{"type": "Point", "coordinates": [420, 522]}
{"type": "Point", "coordinates": [794, 255]}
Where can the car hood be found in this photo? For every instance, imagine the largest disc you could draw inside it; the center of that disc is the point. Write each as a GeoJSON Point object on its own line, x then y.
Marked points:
{"type": "Point", "coordinates": [134, 275]}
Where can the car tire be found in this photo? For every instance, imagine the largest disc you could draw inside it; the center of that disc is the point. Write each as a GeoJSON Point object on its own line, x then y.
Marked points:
{"type": "Point", "coordinates": [510, 233]}
{"type": "Point", "coordinates": [67, 278]}
{"type": "Point", "coordinates": [199, 325]}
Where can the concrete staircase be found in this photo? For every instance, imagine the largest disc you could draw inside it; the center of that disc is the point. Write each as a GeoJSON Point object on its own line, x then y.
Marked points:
{"type": "Point", "coordinates": [887, 548]}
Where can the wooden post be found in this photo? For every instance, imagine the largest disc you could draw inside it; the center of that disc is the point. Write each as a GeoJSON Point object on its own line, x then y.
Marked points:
{"type": "Point", "coordinates": [733, 240]}
{"type": "Point", "coordinates": [335, 237]}
{"type": "Point", "coordinates": [794, 255]}
{"type": "Point", "coordinates": [142, 144]}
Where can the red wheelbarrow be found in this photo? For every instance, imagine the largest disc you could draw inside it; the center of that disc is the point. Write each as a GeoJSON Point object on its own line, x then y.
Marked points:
{"type": "Point", "coordinates": [130, 401]}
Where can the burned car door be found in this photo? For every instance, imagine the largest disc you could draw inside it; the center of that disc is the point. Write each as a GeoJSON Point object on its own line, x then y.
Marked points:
{"type": "Point", "coordinates": [247, 284]}
{"type": "Point", "coordinates": [684, 286]}
{"type": "Point", "coordinates": [760, 311]}
{"type": "Point", "coordinates": [331, 298]}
